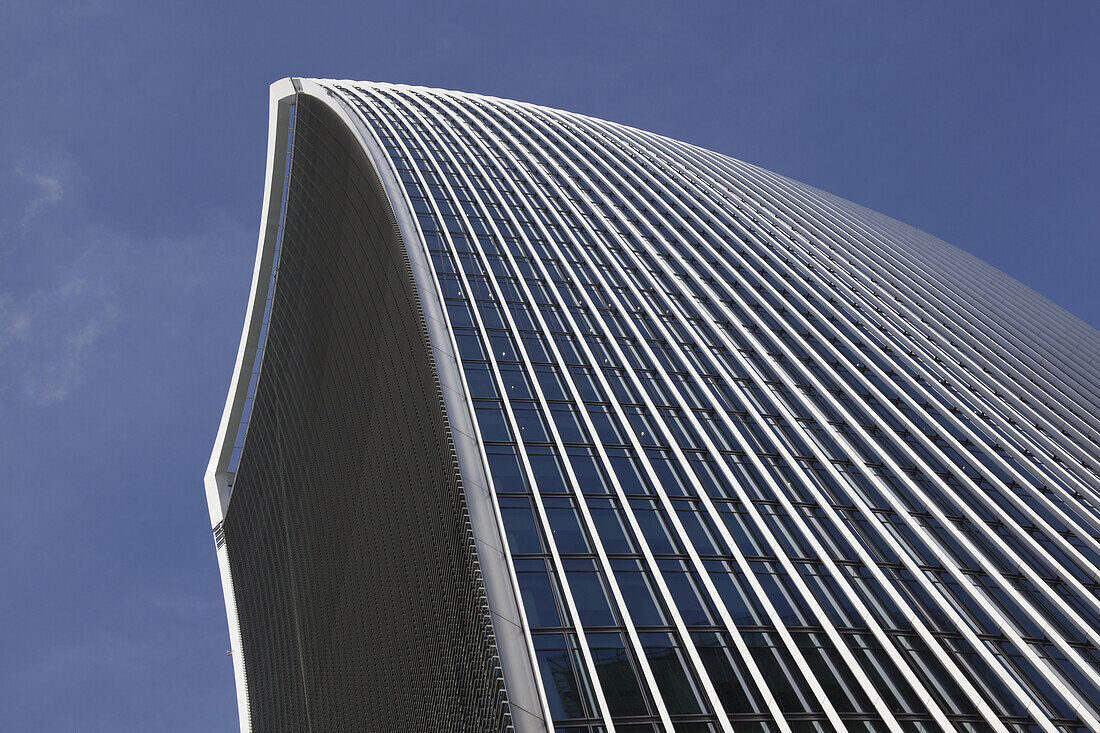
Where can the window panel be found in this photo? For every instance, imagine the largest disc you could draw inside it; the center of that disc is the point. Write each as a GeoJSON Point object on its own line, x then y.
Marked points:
{"type": "Point", "coordinates": [569, 536]}
{"type": "Point", "coordinates": [669, 665]}
{"type": "Point", "coordinates": [639, 593]}
{"type": "Point", "coordinates": [562, 675]}
{"type": "Point", "coordinates": [611, 525]}
{"type": "Point", "coordinates": [589, 593]}
{"type": "Point", "coordinates": [618, 675]}
{"type": "Point", "coordinates": [540, 593]}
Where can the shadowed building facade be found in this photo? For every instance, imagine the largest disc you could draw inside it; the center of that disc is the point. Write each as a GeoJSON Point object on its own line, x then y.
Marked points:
{"type": "Point", "coordinates": [540, 422]}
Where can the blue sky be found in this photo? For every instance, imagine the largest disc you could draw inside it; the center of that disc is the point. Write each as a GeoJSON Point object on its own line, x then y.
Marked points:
{"type": "Point", "coordinates": [131, 162]}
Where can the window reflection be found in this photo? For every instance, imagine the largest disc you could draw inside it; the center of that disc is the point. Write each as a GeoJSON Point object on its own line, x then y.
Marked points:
{"type": "Point", "coordinates": [520, 526]}
{"type": "Point", "coordinates": [636, 585]}
{"type": "Point", "coordinates": [561, 670]}
{"type": "Point", "coordinates": [589, 593]}
{"type": "Point", "coordinates": [617, 674]}
{"type": "Point", "coordinates": [565, 524]}
{"type": "Point", "coordinates": [539, 590]}
{"type": "Point", "coordinates": [667, 661]}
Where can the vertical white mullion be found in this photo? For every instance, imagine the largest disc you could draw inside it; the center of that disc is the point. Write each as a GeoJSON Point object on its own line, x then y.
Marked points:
{"type": "Point", "coordinates": [795, 576]}
{"type": "Point", "coordinates": [923, 287]}
{"type": "Point", "coordinates": [1057, 682]}
{"type": "Point", "coordinates": [1025, 537]}
{"type": "Point", "coordinates": [512, 424]}
{"type": "Point", "coordinates": [1052, 675]}
{"type": "Point", "coordinates": [765, 530]}
{"type": "Point", "coordinates": [628, 512]}
{"type": "Point", "coordinates": [688, 644]}
{"type": "Point", "coordinates": [574, 483]}
{"type": "Point", "coordinates": [1055, 598]}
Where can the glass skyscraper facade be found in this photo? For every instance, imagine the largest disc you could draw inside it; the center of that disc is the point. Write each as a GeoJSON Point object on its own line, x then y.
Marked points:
{"type": "Point", "coordinates": [541, 422]}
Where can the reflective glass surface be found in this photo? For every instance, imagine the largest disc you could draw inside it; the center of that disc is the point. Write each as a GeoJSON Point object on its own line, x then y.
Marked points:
{"type": "Point", "coordinates": [760, 455]}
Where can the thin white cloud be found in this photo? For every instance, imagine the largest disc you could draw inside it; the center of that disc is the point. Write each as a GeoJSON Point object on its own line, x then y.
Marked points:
{"type": "Point", "coordinates": [45, 337]}
{"type": "Point", "coordinates": [62, 302]}
{"type": "Point", "coordinates": [50, 192]}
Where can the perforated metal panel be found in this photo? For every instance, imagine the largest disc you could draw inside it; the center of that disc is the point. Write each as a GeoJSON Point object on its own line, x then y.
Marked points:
{"type": "Point", "coordinates": [359, 597]}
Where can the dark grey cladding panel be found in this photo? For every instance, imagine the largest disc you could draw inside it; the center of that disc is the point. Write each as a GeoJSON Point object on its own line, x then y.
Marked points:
{"type": "Point", "coordinates": [360, 601]}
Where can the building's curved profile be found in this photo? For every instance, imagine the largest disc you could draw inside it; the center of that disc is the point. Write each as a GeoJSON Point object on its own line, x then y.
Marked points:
{"type": "Point", "coordinates": [541, 422]}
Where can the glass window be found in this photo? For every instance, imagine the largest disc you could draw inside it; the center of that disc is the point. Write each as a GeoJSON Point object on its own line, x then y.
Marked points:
{"type": "Point", "coordinates": [523, 316]}
{"type": "Point", "coordinates": [491, 421]}
{"type": "Point", "coordinates": [469, 344]}
{"type": "Point", "coordinates": [618, 675]}
{"type": "Point", "coordinates": [743, 528]}
{"type": "Point", "coordinates": [606, 424]}
{"type": "Point", "coordinates": [479, 379]}
{"type": "Point", "coordinates": [776, 665]}
{"type": "Point", "coordinates": [682, 434]}
{"type": "Point", "coordinates": [551, 382]}
{"type": "Point", "coordinates": [683, 586]}
{"type": "Point", "coordinates": [655, 527]}
{"type": "Point", "coordinates": [707, 472]}
{"type": "Point", "coordinates": [607, 516]}
{"type": "Point", "coordinates": [530, 422]}
{"type": "Point", "coordinates": [540, 594]}
{"type": "Point", "coordinates": [520, 526]}
{"type": "Point", "coordinates": [666, 660]}
{"type": "Point", "coordinates": [504, 470]}
{"type": "Point", "coordinates": [547, 469]}
{"type": "Point", "coordinates": [621, 387]}
{"type": "Point", "coordinates": [670, 475]}
{"type": "Point", "coordinates": [589, 593]}
{"type": "Point", "coordinates": [568, 348]}
{"type": "Point", "coordinates": [643, 426]}
{"type": "Point", "coordinates": [458, 311]}
{"type": "Point", "coordinates": [777, 586]}
{"type": "Point", "coordinates": [534, 344]}
{"type": "Point", "coordinates": [639, 593]}
{"type": "Point", "coordinates": [586, 385]}
{"type": "Point", "coordinates": [628, 471]}
{"type": "Point", "coordinates": [586, 467]}
{"type": "Point", "coordinates": [737, 596]}
{"type": "Point", "coordinates": [503, 346]}
{"type": "Point", "coordinates": [491, 315]}
{"type": "Point", "coordinates": [515, 382]}
{"type": "Point", "coordinates": [568, 422]}
{"type": "Point", "coordinates": [832, 674]}
{"type": "Point", "coordinates": [569, 536]}
{"type": "Point", "coordinates": [748, 477]}
{"type": "Point", "coordinates": [894, 686]}
{"type": "Point", "coordinates": [925, 665]}
{"type": "Point", "coordinates": [735, 687]}
{"type": "Point", "coordinates": [699, 528]}
{"type": "Point", "coordinates": [562, 675]}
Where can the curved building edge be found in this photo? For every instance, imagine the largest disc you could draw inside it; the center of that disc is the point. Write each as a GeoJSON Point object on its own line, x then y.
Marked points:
{"type": "Point", "coordinates": [217, 480]}
{"type": "Point", "coordinates": [526, 699]}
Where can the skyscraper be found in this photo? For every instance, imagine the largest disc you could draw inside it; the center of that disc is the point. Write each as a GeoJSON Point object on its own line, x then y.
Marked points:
{"type": "Point", "coordinates": [543, 422]}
